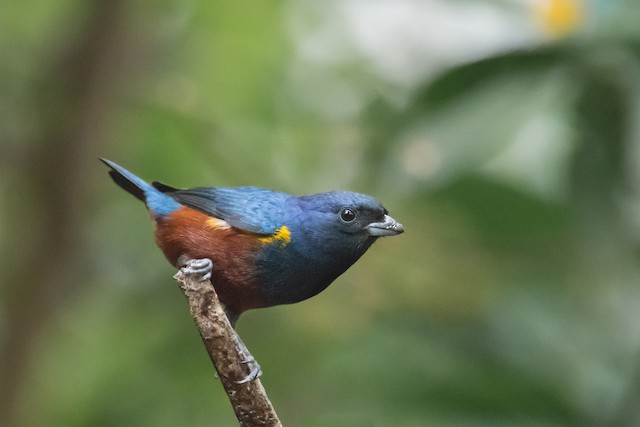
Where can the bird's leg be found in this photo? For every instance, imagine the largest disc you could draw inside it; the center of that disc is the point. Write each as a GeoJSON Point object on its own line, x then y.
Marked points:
{"type": "Point", "coordinates": [247, 358]}
{"type": "Point", "coordinates": [254, 367]}
{"type": "Point", "coordinates": [199, 268]}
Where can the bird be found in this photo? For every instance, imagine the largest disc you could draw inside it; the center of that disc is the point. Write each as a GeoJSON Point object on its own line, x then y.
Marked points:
{"type": "Point", "coordinates": [260, 247]}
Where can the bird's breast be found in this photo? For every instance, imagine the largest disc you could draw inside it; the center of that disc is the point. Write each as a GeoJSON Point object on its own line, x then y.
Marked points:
{"type": "Point", "coordinates": [297, 270]}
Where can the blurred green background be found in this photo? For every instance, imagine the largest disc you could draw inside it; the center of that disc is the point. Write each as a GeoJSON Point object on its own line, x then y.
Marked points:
{"type": "Point", "coordinates": [505, 135]}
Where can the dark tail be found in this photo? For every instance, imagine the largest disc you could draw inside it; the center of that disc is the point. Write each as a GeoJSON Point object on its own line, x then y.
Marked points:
{"type": "Point", "coordinates": [126, 180]}
{"type": "Point", "coordinates": [157, 202]}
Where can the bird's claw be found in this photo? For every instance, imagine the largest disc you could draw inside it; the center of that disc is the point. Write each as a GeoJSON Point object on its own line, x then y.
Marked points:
{"type": "Point", "coordinates": [255, 372]}
{"type": "Point", "coordinates": [200, 269]}
{"type": "Point", "coordinates": [247, 359]}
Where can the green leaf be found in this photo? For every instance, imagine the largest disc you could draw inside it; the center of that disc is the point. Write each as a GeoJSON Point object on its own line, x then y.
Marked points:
{"type": "Point", "coordinates": [457, 82]}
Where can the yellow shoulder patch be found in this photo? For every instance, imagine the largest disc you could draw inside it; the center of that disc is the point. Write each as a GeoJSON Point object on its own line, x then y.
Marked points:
{"type": "Point", "coordinates": [217, 224]}
{"type": "Point", "coordinates": [282, 237]}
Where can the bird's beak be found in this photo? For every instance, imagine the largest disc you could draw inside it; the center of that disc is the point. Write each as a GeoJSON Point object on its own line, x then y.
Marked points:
{"type": "Point", "coordinates": [388, 227]}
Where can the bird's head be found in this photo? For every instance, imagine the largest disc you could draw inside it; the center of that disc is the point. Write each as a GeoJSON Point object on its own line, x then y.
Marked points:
{"type": "Point", "coordinates": [344, 223]}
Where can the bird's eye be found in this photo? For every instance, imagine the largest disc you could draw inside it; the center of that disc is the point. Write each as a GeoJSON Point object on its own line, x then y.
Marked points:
{"type": "Point", "coordinates": [347, 215]}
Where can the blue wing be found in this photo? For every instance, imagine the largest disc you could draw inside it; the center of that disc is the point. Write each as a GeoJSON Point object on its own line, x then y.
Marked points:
{"type": "Point", "coordinates": [253, 209]}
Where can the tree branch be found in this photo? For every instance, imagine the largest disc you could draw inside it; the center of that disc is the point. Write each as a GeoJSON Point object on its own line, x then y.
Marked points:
{"type": "Point", "coordinates": [248, 398]}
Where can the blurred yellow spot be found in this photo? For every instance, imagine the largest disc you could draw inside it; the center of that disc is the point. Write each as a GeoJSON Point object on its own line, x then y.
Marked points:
{"type": "Point", "coordinates": [559, 17]}
{"type": "Point", "coordinates": [282, 236]}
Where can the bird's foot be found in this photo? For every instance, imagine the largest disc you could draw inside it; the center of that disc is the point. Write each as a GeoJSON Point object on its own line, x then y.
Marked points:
{"type": "Point", "coordinates": [200, 269]}
{"type": "Point", "coordinates": [255, 370]}
{"type": "Point", "coordinates": [247, 359]}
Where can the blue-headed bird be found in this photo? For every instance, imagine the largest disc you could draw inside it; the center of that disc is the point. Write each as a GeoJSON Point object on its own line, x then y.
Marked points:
{"type": "Point", "coordinates": [265, 247]}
